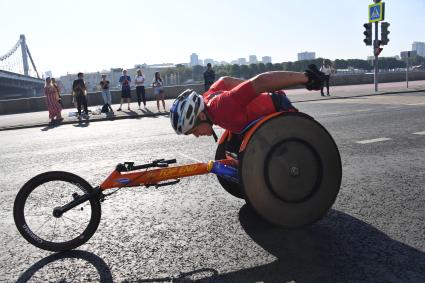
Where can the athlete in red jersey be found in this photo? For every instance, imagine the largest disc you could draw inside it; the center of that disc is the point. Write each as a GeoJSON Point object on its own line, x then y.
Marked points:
{"type": "Point", "coordinates": [234, 103]}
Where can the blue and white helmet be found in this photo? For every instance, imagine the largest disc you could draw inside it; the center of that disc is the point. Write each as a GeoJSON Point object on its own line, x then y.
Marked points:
{"type": "Point", "coordinates": [185, 110]}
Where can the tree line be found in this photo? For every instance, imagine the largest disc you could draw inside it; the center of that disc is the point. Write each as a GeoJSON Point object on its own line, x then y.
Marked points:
{"type": "Point", "coordinates": [195, 73]}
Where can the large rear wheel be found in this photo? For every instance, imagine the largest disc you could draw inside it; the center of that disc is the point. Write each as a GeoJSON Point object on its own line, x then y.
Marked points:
{"type": "Point", "coordinates": [291, 170]}
{"type": "Point", "coordinates": [38, 221]}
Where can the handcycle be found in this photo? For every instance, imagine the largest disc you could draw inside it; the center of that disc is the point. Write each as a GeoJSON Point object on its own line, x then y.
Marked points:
{"type": "Point", "coordinates": [286, 166]}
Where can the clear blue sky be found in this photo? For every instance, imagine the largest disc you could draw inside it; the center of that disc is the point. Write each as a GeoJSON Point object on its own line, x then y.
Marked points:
{"type": "Point", "coordinates": [91, 35]}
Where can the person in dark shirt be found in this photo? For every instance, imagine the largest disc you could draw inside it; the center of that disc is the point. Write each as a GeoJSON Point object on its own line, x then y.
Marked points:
{"type": "Point", "coordinates": [80, 90]}
{"type": "Point", "coordinates": [125, 81]}
{"type": "Point", "coordinates": [209, 77]}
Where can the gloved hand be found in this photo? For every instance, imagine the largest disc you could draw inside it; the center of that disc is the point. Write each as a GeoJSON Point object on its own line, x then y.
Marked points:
{"type": "Point", "coordinates": [315, 78]}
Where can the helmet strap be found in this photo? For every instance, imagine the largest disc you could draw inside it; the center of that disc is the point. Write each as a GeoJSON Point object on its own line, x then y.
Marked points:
{"type": "Point", "coordinates": [208, 121]}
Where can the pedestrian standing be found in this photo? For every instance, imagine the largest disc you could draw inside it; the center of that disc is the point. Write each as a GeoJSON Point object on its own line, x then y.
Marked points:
{"type": "Point", "coordinates": [158, 90]}
{"type": "Point", "coordinates": [106, 93]}
{"type": "Point", "coordinates": [80, 91]}
{"type": "Point", "coordinates": [58, 91]}
{"type": "Point", "coordinates": [327, 70]}
{"type": "Point", "coordinates": [209, 77]}
{"type": "Point", "coordinates": [53, 104]}
{"type": "Point", "coordinates": [140, 88]}
{"type": "Point", "coordinates": [125, 89]}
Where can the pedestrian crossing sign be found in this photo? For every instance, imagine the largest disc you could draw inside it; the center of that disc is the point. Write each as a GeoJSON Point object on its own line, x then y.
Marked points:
{"type": "Point", "coordinates": [376, 12]}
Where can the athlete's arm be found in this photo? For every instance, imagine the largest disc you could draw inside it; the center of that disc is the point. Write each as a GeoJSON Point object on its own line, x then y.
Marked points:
{"type": "Point", "coordinates": [225, 83]}
{"type": "Point", "coordinates": [272, 81]}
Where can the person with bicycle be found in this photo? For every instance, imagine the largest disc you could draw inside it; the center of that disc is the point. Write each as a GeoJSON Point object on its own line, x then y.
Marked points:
{"type": "Point", "coordinates": [233, 103]}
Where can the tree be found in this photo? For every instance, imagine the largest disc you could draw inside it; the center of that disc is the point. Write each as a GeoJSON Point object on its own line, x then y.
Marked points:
{"type": "Point", "coordinates": [277, 67]}
{"type": "Point", "coordinates": [245, 72]}
{"type": "Point", "coordinates": [253, 69]}
{"type": "Point", "coordinates": [235, 71]}
{"type": "Point", "coordinates": [261, 67]}
{"type": "Point", "coordinates": [198, 72]}
{"type": "Point", "coordinates": [269, 67]}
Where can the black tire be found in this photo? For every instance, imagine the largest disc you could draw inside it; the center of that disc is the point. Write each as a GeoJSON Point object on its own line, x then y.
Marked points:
{"type": "Point", "coordinates": [291, 170]}
{"type": "Point", "coordinates": [232, 188]}
{"type": "Point", "coordinates": [61, 184]}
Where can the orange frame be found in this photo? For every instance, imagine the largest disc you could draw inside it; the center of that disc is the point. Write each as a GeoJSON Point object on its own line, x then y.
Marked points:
{"type": "Point", "coordinates": [154, 176]}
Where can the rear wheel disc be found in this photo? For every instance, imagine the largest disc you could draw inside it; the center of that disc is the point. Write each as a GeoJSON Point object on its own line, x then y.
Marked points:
{"type": "Point", "coordinates": [291, 170]}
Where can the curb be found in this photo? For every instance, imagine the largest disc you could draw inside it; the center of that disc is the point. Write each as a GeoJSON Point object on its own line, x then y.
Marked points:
{"type": "Point", "coordinates": [135, 116]}
{"type": "Point", "coordinates": [360, 95]}
{"type": "Point", "coordinates": [83, 121]}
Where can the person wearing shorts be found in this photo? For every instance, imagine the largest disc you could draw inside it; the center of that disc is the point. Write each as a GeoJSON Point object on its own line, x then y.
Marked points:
{"type": "Point", "coordinates": [125, 89]}
{"type": "Point", "coordinates": [158, 90]}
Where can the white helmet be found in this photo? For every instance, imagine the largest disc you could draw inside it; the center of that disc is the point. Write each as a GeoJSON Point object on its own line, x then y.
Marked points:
{"type": "Point", "coordinates": [185, 110]}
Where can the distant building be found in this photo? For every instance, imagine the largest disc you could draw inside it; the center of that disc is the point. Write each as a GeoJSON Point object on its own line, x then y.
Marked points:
{"type": "Point", "coordinates": [306, 56]}
{"type": "Point", "coordinates": [266, 59]}
{"type": "Point", "coordinates": [194, 60]}
{"type": "Point", "coordinates": [113, 75]}
{"type": "Point", "coordinates": [419, 47]}
{"type": "Point", "coordinates": [242, 61]}
{"type": "Point", "coordinates": [405, 54]}
{"type": "Point", "coordinates": [253, 59]}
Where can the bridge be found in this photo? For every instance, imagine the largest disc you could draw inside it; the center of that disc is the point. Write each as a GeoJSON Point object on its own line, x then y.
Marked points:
{"type": "Point", "coordinates": [17, 78]}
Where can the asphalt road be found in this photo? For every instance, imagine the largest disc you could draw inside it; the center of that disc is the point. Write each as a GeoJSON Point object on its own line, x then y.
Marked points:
{"type": "Point", "coordinates": [194, 230]}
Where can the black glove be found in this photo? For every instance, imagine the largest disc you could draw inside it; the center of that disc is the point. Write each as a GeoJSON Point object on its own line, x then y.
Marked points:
{"type": "Point", "coordinates": [315, 78]}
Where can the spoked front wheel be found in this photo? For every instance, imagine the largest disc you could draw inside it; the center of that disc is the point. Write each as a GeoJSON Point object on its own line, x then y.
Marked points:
{"type": "Point", "coordinates": [38, 216]}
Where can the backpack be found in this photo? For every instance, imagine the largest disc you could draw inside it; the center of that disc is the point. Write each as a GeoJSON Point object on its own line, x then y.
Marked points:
{"type": "Point", "coordinates": [105, 108]}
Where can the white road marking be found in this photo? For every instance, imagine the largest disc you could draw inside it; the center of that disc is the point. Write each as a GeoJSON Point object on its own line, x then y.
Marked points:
{"type": "Point", "coordinates": [364, 110]}
{"type": "Point", "coordinates": [415, 104]}
{"type": "Point", "coordinates": [188, 157]}
{"type": "Point", "coordinates": [373, 140]}
{"type": "Point", "coordinates": [334, 113]}
{"type": "Point", "coordinates": [419, 133]}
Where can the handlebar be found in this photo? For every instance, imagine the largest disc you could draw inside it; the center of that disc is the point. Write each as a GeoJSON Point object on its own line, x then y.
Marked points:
{"type": "Point", "coordinates": [129, 166]}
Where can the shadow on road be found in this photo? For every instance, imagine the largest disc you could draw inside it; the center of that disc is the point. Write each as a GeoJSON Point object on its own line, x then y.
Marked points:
{"type": "Point", "coordinates": [65, 266]}
{"type": "Point", "coordinates": [340, 248]}
{"type": "Point", "coordinates": [198, 275]}
{"type": "Point", "coordinates": [82, 123]}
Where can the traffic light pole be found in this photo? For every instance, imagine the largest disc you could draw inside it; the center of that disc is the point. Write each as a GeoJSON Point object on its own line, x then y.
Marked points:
{"type": "Point", "coordinates": [375, 46]}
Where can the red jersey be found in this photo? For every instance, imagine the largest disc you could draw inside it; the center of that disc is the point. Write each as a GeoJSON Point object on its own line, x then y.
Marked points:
{"type": "Point", "coordinates": [234, 109]}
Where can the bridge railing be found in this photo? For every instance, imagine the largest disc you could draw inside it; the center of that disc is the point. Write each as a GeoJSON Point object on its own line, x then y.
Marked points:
{"type": "Point", "coordinates": [23, 105]}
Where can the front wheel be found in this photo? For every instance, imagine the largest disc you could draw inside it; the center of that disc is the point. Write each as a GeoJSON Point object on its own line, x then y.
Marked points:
{"type": "Point", "coordinates": [34, 215]}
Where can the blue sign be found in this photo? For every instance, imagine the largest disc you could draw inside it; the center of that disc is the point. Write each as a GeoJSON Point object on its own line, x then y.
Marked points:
{"type": "Point", "coordinates": [376, 12]}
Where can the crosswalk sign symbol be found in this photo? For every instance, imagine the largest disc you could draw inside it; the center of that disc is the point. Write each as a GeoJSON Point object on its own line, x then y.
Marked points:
{"type": "Point", "coordinates": [376, 12]}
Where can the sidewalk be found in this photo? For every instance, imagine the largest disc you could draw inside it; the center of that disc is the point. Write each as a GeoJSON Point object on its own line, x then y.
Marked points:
{"type": "Point", "coordinates": [40, 119]}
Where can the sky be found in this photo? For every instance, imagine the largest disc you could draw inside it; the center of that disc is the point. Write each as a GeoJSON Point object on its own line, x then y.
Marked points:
{"type": "Point", "coordinates": [92, 35]}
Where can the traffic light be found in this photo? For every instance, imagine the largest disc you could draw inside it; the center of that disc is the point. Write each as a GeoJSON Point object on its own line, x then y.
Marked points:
{"type": "Point", "coordinates": [368, 34]}
{"type": "Point", "coordinates": [384, 33]}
